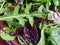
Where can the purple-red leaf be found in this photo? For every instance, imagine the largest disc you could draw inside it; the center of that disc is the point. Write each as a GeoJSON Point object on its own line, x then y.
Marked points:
{"type": "Point", "coordinates": [3, 42]}
{"type": "Point", "coordinates": [13, 42]}
{"type": "Point", "coordinates": [18, 31]}
{"type": "Point", "coordinates": [38, 20]}
{"type": "Point", "coordinates": [55, 16]}
{"type": "Point", "coordinates": [31, 32]}
{"type": "Point", "coordinates": [2, 25]}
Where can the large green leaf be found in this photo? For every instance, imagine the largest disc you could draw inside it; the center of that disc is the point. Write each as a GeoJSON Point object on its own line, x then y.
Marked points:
{"type": "Point", "coordinates": [55, 35]}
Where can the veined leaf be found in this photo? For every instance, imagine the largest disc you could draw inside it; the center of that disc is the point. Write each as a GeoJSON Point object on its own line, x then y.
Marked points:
{"type": "Point", "coordinates": [55, 35]}
{"type": "Point", "coordinates": [20, 15]}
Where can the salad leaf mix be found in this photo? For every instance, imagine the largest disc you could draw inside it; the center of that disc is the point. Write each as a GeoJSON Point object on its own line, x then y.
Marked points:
{"type": "Point", "coordinates": [30, 22]}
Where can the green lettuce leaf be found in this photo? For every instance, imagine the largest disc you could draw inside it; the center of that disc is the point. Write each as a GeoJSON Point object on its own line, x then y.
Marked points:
{"type": "Point", "coordinates": [6, 36]}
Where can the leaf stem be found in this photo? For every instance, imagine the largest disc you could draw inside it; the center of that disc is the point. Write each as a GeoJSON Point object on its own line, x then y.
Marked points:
{"type": "Point", "coordinates": [23, 40]}
{"type": "Point", "coordinates": [50, 25]}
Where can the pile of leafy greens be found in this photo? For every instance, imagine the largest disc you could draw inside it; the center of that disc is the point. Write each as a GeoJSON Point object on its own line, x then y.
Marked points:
{"type": "Point", "coordinates": [30, 22]}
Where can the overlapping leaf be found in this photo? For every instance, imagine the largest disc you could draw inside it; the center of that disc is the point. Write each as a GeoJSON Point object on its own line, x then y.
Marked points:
{"type": "Point", "coordinates": [31, 32]}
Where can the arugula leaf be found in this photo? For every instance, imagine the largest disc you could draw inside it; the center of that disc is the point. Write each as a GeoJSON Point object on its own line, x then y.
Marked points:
{"type": "Point", "coordinates": [15, 19]}
{"type": "Point", "coordinates": [40, 8]}
{"type": "Point", "coordinates": [21, 21]}
{"type": "Point", "coordinates": [28, 6]}
{"type": "Point", "coordinates": [48, 5]}
{"type": "Point", "coordinates": [31, 20]}
{"type": "Point", "coordinates": [16, 10]}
